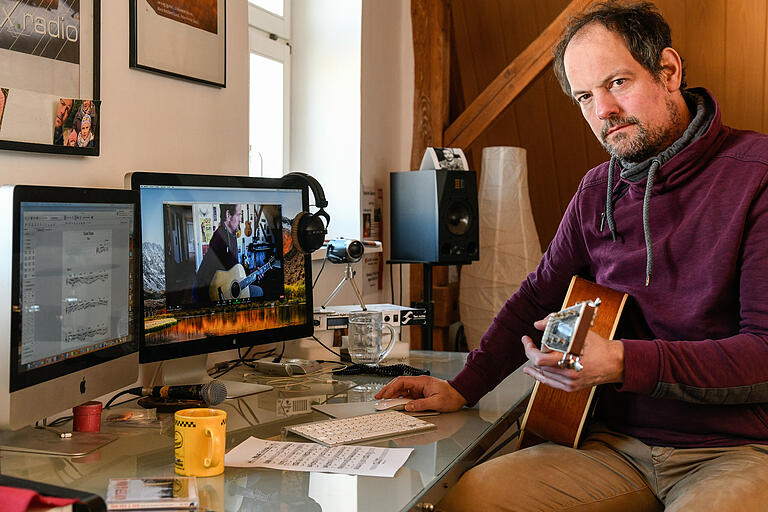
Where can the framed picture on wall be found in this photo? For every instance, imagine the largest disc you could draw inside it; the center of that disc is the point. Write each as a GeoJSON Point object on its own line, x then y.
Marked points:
{"type": "Point", "coordinates": [49, 76]}
{"type": "Point", "coordinates": [181, 38]}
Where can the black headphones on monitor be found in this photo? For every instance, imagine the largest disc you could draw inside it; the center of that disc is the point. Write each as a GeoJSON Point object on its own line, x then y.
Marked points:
{"type": "Point", "coordinates": [308, 229]}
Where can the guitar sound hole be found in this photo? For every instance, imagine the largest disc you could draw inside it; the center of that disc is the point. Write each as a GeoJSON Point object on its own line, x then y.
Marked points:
{"type": "Point", "coordinates": [235, 290]}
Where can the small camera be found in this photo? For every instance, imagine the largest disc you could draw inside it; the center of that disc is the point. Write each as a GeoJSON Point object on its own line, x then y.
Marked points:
{"type": "Point", "coordinates": [341, 250]}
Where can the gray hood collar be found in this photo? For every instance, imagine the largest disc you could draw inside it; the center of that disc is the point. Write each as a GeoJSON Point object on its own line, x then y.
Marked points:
{"type": "Point", "coordinates": [647, 169]}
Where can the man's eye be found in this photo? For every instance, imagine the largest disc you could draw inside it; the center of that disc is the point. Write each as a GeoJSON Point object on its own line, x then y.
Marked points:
{"type": "Point", "coordinates": [619, 82]}
{"type": "Point", "coordinates": [583, 98]}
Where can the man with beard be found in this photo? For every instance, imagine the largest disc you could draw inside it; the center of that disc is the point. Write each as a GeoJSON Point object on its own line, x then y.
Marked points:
{"type": "Point", "coordinates": [62, 114]}
{"type": "Point", "coordinates": [222, 254]}
{"type": "Point", "coordinates": [677, 219]}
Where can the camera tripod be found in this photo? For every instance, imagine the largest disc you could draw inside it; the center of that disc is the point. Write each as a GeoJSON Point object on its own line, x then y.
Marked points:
{"type": "Point", "coordinates": [349, 275]}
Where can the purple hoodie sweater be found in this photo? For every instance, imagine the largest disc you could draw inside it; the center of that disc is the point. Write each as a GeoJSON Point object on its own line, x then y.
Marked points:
{"type": "Point", "coordinates": [695, 339]}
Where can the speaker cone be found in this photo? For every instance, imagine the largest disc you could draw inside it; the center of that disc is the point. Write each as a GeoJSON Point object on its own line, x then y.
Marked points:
{"type": "Point", "coordinates": [459, 219]}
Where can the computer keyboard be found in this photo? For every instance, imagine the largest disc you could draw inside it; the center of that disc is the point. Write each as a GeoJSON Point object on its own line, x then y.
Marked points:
{"type": "Point", "coordinates": [338, 431]}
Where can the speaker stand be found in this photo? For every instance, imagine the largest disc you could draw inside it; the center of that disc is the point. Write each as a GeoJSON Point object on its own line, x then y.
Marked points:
{"type": "Point", "coordinates": [349, 275]}
{"type": "Point", "coordinates": [426, 328]}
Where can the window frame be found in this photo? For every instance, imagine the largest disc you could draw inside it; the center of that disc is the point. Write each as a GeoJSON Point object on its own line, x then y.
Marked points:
{"type": "Point", "coordinates": [270, 22]}
{"type": "Point", "coordinates": [272, 45]}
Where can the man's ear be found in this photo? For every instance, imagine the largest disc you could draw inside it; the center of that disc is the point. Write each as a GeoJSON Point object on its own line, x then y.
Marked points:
{"type": "Point", "coordinates": [671, 69]}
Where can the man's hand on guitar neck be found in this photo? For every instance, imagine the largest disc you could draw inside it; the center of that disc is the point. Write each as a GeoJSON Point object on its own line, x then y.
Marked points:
{"type": "Point", "coordinates": [602, 361]}
{"type": "Point", "coordinates": [428, 393]}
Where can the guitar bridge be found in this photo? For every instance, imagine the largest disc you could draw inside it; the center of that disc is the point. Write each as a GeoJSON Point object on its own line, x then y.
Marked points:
{"type": "Point", "coordinates": [567, 329]}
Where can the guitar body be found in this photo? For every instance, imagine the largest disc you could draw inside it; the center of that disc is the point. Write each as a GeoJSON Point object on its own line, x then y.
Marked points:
{"type": "Point", "coordinates": [556, 415]}
{"type": "Point", "coordinates": [233, 283]}
{"type": "Point", "coordinates": [228, 283]}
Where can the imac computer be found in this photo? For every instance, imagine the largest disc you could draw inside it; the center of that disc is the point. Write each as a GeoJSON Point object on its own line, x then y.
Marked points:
{"type": "Point", "coordinates": [68, 311]}
{"type": "Point", "coordinates": [220, 270]}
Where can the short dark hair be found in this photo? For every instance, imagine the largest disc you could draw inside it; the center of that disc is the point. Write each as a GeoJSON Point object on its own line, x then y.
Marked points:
{"type": "Point", "coordinates": [227, 207]}
{"type": "Point", "coordinates": [643, 28]}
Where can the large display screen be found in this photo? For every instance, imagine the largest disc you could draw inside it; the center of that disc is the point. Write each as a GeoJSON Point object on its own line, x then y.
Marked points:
{"type": "Point", "coordinates": [75, 280]}
{"type": "Point", "coordinates": [220, 261]}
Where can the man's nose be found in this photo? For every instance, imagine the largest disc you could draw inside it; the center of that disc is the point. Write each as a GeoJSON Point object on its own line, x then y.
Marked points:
{"type": "Point", "coordinates": [605, 105]}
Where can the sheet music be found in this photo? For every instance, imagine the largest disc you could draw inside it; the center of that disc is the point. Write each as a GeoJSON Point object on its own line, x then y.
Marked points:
{"type": "Point", "coordinates": [87, 261]}
{"type": "Point", "coordinates": [350, 460]}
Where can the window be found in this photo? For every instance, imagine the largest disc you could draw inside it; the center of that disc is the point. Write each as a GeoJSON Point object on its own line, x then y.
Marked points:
{"type": "Point", "coordinates": [270, 67]}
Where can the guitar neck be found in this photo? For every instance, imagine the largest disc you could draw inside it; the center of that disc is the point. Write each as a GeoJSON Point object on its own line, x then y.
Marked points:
{"type": "Point", "coordinates": [256, 274]}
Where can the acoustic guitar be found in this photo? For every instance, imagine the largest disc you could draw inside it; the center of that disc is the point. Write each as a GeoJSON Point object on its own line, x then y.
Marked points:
{"type": "Point", "coordinates": [233, 283]}
{"type": "Point", "coordinates": [556, 415]}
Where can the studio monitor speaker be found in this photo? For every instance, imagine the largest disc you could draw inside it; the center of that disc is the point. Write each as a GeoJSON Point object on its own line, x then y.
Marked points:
{"type": "Point", "coordinates": [434, 216]}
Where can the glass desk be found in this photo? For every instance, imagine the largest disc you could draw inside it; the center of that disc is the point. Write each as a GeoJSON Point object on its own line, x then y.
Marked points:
{"type": "Point", "coordinates": [440, 456]}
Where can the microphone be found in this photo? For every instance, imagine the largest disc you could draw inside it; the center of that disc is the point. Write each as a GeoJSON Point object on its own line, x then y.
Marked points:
{"type": "Point", "coordinates": [212, 393]}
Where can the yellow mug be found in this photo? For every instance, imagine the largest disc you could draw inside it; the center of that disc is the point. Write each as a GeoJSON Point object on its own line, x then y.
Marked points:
{"type": "Point", "coordinates": [199, 438]}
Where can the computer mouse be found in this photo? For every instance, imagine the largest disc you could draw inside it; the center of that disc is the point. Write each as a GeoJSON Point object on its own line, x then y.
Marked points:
{"type": "Point", "coordinates": [392, 404]}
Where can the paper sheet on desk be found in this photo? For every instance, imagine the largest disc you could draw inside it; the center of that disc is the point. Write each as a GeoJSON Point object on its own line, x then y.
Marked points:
{"type": "Point", "coordinates": [350, 460]}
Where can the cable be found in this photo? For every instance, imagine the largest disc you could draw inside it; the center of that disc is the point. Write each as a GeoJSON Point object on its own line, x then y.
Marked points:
{"type": "Point", "coordinates": [242, 358]}
{"type": "Point", "coordinates": [303, 378]}
{"type": "Point", "coordinates": [326, 347]}
{"type": "Point", "coordinates": [225, 367]}
{"type": "Point", "coordinates": [60, 421]}
{"type": "Point", "coordinates": [321, 271]}
{"type": "Point", "coordinates": [280, 357]}
{"type": "Point", "coordinates": [115, 397]}
{"type": "Point", "coordinates": [391, 283]}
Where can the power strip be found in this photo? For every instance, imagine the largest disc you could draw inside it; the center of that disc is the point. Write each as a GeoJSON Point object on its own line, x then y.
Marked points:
{"type": "Point", "coordinates": [286, 367]}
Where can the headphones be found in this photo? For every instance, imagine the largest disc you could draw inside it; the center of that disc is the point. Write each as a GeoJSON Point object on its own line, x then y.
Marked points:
{"type": "Point", "coordinates": [308, 229]}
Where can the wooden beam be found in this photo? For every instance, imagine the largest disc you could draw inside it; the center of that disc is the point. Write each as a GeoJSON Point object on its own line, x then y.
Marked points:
{"type": "Point", "coordinates": [510, 83]}
{"type": "Point", "coordinates": [431, 51]}
{"type": "Point", "coordinates": [431, 25]}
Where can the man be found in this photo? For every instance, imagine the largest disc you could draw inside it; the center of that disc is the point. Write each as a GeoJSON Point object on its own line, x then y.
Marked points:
{"type": "Point", "coordinates": [222, 251]}
{"type": "Point", "coordinates": [678, 219]}
{"type": "Point", "coordinates": [62, 113]}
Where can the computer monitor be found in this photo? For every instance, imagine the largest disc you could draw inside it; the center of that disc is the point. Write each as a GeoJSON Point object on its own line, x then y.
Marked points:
{"type": "Point", "coordinates": [220, 269]}
{"type": "Point", "coordinates": [69, 271]}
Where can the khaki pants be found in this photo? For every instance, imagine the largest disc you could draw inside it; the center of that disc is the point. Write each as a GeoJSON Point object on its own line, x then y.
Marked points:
{"type": "Point", "coordinates": [614, 472]}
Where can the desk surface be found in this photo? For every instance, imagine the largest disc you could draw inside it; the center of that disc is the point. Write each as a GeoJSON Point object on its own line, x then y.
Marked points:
{"type": "Point", "coordinates": [439, 457]}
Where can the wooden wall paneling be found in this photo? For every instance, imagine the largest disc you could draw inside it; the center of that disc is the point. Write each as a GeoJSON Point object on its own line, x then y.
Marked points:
{"type": "Point", "coordinates": [565, 121]}
{"type": "Point", "coordinates": [674, 11]}
{"type": "Point", "coordinates": [456, 103]}
{"type": "Point", "coordinates": [744, 63]}
{"type": "Point", "coordinates": [464, 69]}
{"type": "Point", "coordinates": [531, 111]}
{"type": "Point", "coordinates": [490, 56]}
{"type": "Point", "coordinates": [507, 85]}
{"type": "Point", "coordinates": [705, 45]}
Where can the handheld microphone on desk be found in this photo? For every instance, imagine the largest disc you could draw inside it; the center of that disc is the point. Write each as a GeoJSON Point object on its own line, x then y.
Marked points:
{"type": "Point", "coordinates": [211, 393]}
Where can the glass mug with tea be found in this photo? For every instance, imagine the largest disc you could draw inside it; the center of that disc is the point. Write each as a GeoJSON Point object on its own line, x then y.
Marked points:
{"type": "Point", "coordinates": [365, 345]}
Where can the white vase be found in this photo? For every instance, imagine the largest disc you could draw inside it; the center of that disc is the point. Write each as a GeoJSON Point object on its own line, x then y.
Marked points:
{"type": "Point", "coordinates": [509, 243]}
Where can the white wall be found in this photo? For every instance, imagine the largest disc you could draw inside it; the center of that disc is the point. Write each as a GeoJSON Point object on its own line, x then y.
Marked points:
{"type": "Point", "coordinates": [325, 104]}
{"type": "Point", "coordinates": [154, 122]}
{"type": "Point", "coordinates": [386, 126]}
{"type": "Point", "coordinates": [150, 121]}
{"type": "Point", "coordinates": [387, 107]}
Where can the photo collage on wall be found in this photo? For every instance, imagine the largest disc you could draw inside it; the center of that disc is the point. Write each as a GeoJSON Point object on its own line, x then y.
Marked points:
{"type": "Point", "coordinates": [76, 123]}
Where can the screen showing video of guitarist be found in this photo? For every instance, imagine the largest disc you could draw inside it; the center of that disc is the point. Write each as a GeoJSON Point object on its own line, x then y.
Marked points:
{"type": "Point", "coordinates": [219, 261]}
{"type": "Point", "coordinates": [235, 257]}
